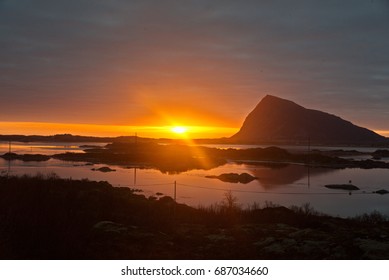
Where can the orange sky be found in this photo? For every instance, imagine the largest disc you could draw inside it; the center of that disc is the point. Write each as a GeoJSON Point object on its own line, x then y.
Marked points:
{"type": "Point", "coordinates": [120, 67]}
{"type": "Point", "coordinates": [193, 132]}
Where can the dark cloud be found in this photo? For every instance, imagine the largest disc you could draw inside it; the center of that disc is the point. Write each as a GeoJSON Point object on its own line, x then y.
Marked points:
{"type": "Point", "coordinates": [330, 55]}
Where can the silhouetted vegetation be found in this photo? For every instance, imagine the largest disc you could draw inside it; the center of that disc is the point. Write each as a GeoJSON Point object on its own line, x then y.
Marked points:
{"type": "Point", "coordinates": [46, 217]}
{"type": "Point", "coordinates": [374, 217]}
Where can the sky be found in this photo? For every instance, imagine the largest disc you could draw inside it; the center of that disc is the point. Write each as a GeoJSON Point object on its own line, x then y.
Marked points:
{"type": "Point", "coordinates": [117, 67]}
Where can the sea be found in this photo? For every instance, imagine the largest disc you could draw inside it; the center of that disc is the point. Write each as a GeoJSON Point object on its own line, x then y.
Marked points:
{"type": "Point", "coordinates": [280, 184]}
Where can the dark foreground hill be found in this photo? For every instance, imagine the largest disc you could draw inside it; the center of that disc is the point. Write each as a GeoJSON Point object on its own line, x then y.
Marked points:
{"type": "Point", "coordinates": [53, 218]}
{"type": "Point", "coordinates": [277, 120]}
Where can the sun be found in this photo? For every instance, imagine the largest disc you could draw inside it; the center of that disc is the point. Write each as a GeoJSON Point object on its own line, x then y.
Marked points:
{"type": "Point", "coordinates": [179, 129]}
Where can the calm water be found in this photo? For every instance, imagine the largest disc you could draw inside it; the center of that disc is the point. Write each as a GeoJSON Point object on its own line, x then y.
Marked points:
{"type": "Point", "coordinates": [285, 185]}
{"type": "Point", "coordinates": [293, 148]}
{"type": "Point", "coordinates": [43, 148]}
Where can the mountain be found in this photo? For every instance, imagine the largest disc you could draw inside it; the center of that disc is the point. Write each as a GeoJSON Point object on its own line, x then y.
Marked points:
{"type": "Point", "coordinates": [277, 120]}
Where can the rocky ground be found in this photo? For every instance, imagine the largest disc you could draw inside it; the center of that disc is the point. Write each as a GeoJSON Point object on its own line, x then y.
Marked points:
{"type": "Point", "coordinates": [53, 218]}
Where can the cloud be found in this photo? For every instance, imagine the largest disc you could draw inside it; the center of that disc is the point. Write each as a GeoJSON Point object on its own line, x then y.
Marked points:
{"type": "Point", "coordinates": [94, 56]}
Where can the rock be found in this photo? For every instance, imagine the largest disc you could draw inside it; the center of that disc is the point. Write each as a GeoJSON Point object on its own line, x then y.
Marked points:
{"type": "Point", "coordinates": [243, 178]}
{"type": "Point", "coordinates": [279, 248]}
{"type": "Point", "coordinates": [266, 242]}
{"type": "Point", "coordinates": [219, 238]}
{"type": "Point", "coordinates": [347, 187]}
{"type": "Point", "coordinates": [111, 227]}
{"type": "Point", "coordinates": [314, 248]}
{"type": "Point", "coordinates": [382, 192]}
{"type": "Point", "coordinates": [373, 249]}
{"type": "Point", "coordinates": [278, 120]}
{"type": "Point", "coordinates": [104, 169]}
{"type": "Point", "coordinates": [301, 234]}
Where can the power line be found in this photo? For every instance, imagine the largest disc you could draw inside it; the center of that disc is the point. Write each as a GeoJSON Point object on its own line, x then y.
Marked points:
{"type": "Point", "coordinates": [256, 192]}
{"type": "Point", "coordinates": [266, 192]}
{"type": "Point", "coordinates": [157, 184]}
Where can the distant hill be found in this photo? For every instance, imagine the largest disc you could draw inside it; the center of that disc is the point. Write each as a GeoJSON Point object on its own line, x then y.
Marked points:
{"type": "Point", "coordinates": [70, 138]}
{"type": "Point", "coordinates": [277, 120]}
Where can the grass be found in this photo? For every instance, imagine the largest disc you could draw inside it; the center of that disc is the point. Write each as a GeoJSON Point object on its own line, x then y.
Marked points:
{"type": "Point", "coordinates": [46, 217]}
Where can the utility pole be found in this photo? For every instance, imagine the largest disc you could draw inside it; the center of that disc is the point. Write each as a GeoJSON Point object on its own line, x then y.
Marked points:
{"type": "Point", "coordinates": [175, 203]}
{"type": "Point", "coordinates": [9, 159]}
{"type": "Point", "coordinates": [134, 176]}
{"type": "Point", "coordinates": [175, 191]}
{"type": "Point", "coordinates": [309, 161]}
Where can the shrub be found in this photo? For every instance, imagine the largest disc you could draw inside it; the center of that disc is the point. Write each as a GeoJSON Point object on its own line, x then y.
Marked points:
{"type": "Point", "coordinates": [374, 217]}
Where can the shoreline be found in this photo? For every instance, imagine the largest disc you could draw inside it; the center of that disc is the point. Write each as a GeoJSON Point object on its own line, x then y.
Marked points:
{"type": "Point", "coordinates": [181, 158]}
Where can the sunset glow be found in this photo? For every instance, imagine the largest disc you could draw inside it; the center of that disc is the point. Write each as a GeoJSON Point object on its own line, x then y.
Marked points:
{"type": "Point", "coordinates": [34, 128]}
{"type": "Point", "coordinates": [121, 68]}
{"type": "Point", "coordinates": [179, 129]}
{"type": "Point", "coordinates": [196, 130]}
{"type": "Point", "coordinates": [382, 132]}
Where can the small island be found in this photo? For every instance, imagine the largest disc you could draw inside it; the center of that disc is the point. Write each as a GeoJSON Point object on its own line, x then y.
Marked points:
{"type": "Point", "coordinates": [104, 169]}
{"type": "Point", "coordinates": [243, 178]}
{"type": "Point", "coordinates": [347, 187]}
